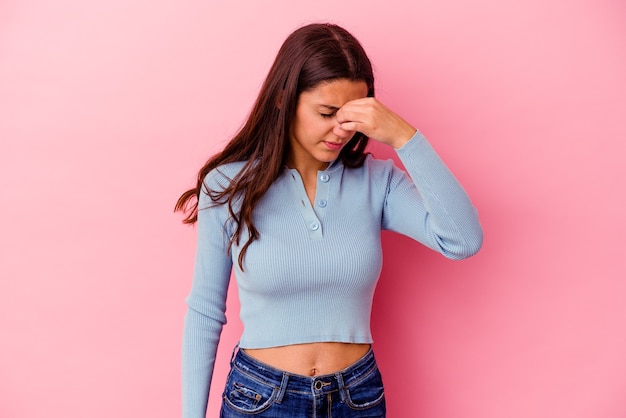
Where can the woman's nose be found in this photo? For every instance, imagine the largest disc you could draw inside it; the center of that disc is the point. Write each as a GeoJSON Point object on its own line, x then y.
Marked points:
{"type": "Point", "coordinates": [341, 133]}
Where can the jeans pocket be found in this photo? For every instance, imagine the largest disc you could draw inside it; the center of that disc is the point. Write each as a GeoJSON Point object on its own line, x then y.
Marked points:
{"type": "Point", "coordinates": [247, 395]}
{"type": "Point", "coordinates": [366, 393]}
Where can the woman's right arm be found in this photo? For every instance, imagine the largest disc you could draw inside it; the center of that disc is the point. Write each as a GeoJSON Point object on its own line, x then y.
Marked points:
{"type": "Point", "coordinates": [206, 304]}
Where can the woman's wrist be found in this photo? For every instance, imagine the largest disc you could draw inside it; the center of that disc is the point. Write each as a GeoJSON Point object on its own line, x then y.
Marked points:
{"type": "Point", "coordinates": [404, 136]}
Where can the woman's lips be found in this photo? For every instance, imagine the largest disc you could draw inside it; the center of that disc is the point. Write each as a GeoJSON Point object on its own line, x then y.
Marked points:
{"type": "Point", "coordinates": [333, 145]}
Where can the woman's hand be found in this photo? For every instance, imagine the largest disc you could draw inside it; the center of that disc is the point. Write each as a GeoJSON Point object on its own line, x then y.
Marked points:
{"type": "Point", "coordinates": [372, 118]}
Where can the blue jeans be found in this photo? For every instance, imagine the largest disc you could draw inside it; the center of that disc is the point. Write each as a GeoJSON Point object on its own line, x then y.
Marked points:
{"type": "Point", "coordinates": [255, 388]}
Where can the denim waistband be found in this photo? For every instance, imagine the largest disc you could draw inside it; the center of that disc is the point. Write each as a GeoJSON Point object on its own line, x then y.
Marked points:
{"type": "Point", "coordinates": [316, 385]}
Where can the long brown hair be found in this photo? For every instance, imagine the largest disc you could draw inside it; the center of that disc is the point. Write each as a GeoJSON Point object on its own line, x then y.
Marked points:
{"type": "Point", "coordinates": [311, 55]}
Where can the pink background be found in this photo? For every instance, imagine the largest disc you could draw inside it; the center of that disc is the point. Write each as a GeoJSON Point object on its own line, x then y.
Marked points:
{"type": "Point", "coordinates": [108, 109]}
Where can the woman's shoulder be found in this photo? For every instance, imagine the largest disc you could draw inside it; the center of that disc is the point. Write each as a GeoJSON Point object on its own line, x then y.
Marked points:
{"type": "Point", "coordinates": [223, 174]}
{"type": "Point", "coordinates": [376, 172]}
{"type": "Point", "coordinates": [378, 167]}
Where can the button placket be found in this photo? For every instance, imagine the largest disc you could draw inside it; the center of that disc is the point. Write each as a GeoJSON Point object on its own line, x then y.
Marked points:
{"type": "Point", "coordinates": [321, 193]}
{"type": "Point", "coordinates": [311, 220]}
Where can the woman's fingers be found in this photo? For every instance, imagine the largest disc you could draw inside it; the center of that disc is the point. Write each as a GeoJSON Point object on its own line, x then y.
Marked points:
{"type": "Point", "coordinates": [375, 120]}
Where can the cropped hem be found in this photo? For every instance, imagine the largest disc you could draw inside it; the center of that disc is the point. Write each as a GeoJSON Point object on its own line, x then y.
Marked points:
{"type": "Point", "coordinates": [277, 342]}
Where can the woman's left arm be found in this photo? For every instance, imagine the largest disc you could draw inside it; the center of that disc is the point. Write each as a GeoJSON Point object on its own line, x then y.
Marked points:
{"type": "Point", "coordinates": [430, 206]}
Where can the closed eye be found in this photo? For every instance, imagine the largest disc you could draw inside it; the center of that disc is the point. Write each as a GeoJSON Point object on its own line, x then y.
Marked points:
{"type": "Point", "coordinates": [327, 111]}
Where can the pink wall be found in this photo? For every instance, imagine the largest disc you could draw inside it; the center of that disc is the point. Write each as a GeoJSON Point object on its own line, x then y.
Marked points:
{"type": "Point", "coordinates": [107, 109]}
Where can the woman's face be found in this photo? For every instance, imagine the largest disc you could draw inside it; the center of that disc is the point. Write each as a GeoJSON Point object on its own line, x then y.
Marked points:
{"type": "Point", "coordinates": [315, 136]}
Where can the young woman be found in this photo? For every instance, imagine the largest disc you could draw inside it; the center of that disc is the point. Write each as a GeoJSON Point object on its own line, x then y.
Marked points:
{"type": "Point", "coordinates": [295, 206]}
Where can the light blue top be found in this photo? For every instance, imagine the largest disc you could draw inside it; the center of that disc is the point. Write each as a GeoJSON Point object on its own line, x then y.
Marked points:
{"type": "Point", "coordinates": [316, 263]}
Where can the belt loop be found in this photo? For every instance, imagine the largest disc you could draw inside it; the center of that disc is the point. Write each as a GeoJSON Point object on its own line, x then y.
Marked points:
{"type": "Point", "coordinates": [283, 388]}
{"type": "Point", "coordinates": [342, 388]}
{"type": "Point", "coordinates": [232, 357]}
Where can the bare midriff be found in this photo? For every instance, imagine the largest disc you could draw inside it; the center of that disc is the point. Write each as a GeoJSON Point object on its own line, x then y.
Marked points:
{"type": "Point", "coordinates": [312, 359]}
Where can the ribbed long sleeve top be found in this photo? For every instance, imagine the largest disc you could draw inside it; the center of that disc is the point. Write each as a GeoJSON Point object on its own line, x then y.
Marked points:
{"type": "Point", "coordinates": [311, 274]}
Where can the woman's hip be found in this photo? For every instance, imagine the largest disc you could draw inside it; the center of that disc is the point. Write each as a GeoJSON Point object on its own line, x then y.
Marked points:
{"type": "Point", "coordinates": [256, 388]}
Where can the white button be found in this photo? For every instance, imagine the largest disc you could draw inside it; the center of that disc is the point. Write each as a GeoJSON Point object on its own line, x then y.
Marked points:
{"type": "Point", "coordinates": [314, 226]}
{"type": "Point", "coordinates": [324, 177]}
{"type": "Point", "coordinates": [322, 203]}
